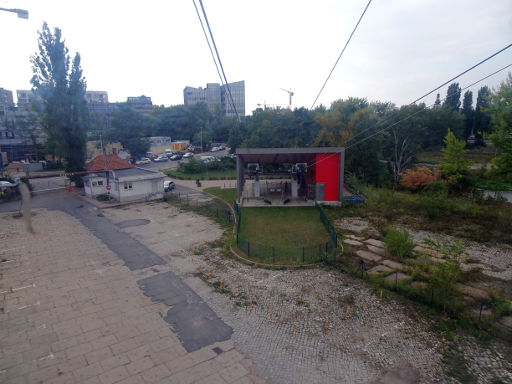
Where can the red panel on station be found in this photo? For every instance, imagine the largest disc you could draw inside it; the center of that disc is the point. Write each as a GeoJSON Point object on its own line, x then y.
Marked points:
{"type": "Point", "coordinates": [328, 172]}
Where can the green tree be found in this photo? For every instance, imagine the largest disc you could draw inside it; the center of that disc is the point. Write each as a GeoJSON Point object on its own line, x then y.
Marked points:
{"type": "Point", "coordinates": [59, 88]}
{"type": "Point", "coordinates": [482, 121]}
{"type": "Point", "coordinates": [501, 112]}
{"type": "Point", "coordinates": [468, 112]}
{"type": "Point", "coordinates": [454, 166]}
{"type": "Point", "coordinates": [131, 129]}
{"type": "Point", "coordinates": [452, 100]}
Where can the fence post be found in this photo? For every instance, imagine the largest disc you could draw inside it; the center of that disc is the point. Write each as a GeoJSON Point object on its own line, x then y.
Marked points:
{"type": "Point", "coordinates": [273, 254]}
{"type": "Point", "coordinates": [248, 249]}
{"type": "Point", "coordinates": [303, 254]}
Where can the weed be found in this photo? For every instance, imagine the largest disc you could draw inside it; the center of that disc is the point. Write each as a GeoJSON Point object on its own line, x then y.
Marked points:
{"type": "Point", "coordinates": [454, 359]}
{"type": "Point", "coordinates": [303, 303]}
{"type": "Point", "coordinates": [399, 243]}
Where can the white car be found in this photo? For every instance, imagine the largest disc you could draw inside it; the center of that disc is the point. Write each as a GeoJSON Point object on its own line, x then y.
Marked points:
{"type": "Point", "coordinates": [187, 155]}
{"type": "Point", "coordinates": [144, 160]}
{"type": "Point", "coordinates": [169, 185]}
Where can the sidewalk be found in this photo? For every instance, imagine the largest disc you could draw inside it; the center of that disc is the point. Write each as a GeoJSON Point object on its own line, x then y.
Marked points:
{"type": "Point", "coordinates": [72, 312]}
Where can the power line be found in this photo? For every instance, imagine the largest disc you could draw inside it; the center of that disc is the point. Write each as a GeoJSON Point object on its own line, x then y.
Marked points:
{"type": "Point", "coordinates": [459, 75]}
{"type": "Point", "coordinates": [409, 116]}
{"type": "Point", "coordinates": [339, 57]}
{"type": "Point", "coordinates": [218, 58]}
{"type": "Point", "coordinates": [208, 42]}
{"type": "Point", "coordinates": [421, 110]}
{"type": "Point", "coordinates": [462, 73]}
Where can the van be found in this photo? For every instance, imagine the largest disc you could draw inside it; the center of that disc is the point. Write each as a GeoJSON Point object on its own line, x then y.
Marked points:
{"type": "Point", "coordinates": [168, 152]}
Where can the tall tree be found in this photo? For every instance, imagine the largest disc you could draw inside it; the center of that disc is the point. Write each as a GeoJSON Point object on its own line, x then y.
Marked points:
{"type": "Point", "coordinates": [482, 115]}
{"type": "Point", "coordinates": [131, 129]}
{"type": "Point", "coordinates": [453, 97]}
{"type": "Point", "coordinates": [60, 89]}
{"type": "Point", "coordinates": [501, 111]}
{"type": "Point", "coordinates": [468, 112]}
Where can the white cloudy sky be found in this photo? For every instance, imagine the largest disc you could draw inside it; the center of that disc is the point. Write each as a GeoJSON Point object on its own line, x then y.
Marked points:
{"type": "Point", "coordinates": [402, 49]}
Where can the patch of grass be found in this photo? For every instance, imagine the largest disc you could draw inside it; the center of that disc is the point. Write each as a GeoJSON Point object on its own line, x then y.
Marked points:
{"type": "Point", "coordinates": [399, 243]}
{"type": "Point", "coordinates": [303, 303]}
{"type": "Point", "coordinates": [283, 227]}
{"type": "Point", "coordinates": [227, 194]}
{"type": "Point", "coordinates": [227, 174]}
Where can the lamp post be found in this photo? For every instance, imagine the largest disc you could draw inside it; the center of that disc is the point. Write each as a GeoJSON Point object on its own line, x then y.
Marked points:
{"type": "Point", "coordinates": [22, 13]}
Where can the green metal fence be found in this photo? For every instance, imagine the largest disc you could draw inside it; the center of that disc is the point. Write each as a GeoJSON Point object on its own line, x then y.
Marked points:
{"type": "Point", "coordinates": [277, 255]}
{"type": "Point", "coordinates": [328, 226]}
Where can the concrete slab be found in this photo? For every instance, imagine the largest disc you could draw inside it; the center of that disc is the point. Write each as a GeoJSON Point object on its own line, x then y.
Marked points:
{"type": "Point", "coordinates": [392, 264]}
{"type": "Point", "coordinates": [506, 321]}
{"type": "Point", "coordinates": [378, 269]}
{"type": "Point", "coordinates": [369, 256]}
{"type": "Point", "coordinates": [353, 242]}
{"type": "Point", "coordinates": [375, 242]}
{"type": "Point", "coordinates": [397, 277]}
{"type": "Point", "coordinates": [377, 250]}
{"type": "Point", "coordinates": [475, 293]}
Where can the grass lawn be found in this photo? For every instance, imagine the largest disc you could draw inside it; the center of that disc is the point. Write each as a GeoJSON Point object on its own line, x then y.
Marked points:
{"type": "Point", "coordinates": [210, 175]}
{"type": "Point", "coordinates": [283, 227]}
{"type": "Point", "coordinates": [227, 194]}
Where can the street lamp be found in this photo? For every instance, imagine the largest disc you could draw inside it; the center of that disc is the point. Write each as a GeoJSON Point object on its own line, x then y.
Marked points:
{"type": "Point", "coordinates": [22, 13]}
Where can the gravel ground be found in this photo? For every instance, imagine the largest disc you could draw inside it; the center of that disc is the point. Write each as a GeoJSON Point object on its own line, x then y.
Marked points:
{"type": "Point", "coordinates": [313, 325]}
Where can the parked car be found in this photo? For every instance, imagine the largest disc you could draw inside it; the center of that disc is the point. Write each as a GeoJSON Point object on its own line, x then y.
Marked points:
{"type": "Point", "coordinates": [150, 155]}
{"type": "Point", "coordinates": [215, 149]}
{"type": "Point", "coordinates": [168, 152]}
{"type": "Point", "coordinates": [169, 185]}
{"type": "Point", "coordinates": [187, 155]}
{"type": "Point", "coordinates": [207, 159]}
{"type": "Point", "coordinates": [160, 159]}
{"type": "Point", "coordinates": [144, 160]}
{"type": "Point", "coordinates": [176, 157]}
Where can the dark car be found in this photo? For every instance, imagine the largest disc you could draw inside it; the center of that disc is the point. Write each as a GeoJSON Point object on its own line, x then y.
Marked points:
{"type": "Point", "coordinates": [176, 157]}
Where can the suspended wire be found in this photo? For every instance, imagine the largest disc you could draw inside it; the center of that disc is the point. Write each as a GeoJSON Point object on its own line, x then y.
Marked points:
{"type": "Point", "coordinates": [218, 59]}
{"type": "Point", "coordinates": [208, 42]}
{"type": "Point", "coordinates": [462, 73]}
{"type": "Point", "coordinates": [343, 50]}
{"type": "Point", "coordinates": [409, 116]}
{"type": "Point", "coordinates": [421, 110]}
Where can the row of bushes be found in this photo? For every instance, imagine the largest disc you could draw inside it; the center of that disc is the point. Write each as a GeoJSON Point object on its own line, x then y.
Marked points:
{"type": "Point", "coordinates": [198, 166]}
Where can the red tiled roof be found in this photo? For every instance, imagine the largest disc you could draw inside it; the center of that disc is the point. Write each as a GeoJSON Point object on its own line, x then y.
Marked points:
{"type": "Point", "coordinates": [108, 162]}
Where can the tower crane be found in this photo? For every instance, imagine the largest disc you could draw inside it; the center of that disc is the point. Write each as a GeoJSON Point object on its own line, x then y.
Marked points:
{"type": "Point", "coordinates": [291, 94]}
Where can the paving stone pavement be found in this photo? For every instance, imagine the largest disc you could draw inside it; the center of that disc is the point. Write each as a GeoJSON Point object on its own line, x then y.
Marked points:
{"type": "Point", "coordinates": [71, 311]}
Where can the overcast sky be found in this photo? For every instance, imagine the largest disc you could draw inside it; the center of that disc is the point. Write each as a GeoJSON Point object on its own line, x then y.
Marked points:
{"type": "Point", "coordinates": [401, 50]}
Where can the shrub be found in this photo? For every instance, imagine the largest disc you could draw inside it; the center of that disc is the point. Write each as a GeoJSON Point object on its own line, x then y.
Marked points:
{"type": "Point", "coordinates": [417, 179]}
{"type": "Point", "coordinates": [193, 166]}
{"type": "Point", "coordinates": [399, 243]}
{"type": "Point", "coordinates": [436, 188]}
{"type": "Point", "coordinates": [103, 197]}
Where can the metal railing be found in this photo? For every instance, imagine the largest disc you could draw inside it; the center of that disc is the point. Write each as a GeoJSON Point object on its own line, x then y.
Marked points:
{"type": "Point", "coordinates": [328, 226]}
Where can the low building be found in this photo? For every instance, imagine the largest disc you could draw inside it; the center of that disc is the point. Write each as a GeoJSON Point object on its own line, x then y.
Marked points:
{"type": "Point", "coordinates": [298, 176]}
{"type": "Point", "coordinates": [122, 180]}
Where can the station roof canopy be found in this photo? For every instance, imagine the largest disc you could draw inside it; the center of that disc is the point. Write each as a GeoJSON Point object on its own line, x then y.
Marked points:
{"type": "Point", "coordinates": [283, 155]}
